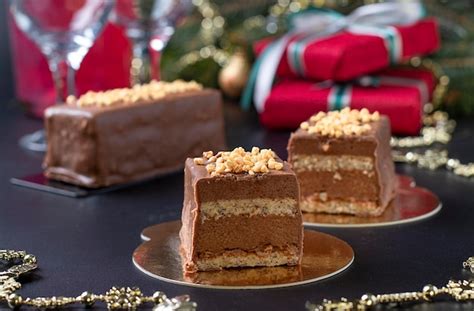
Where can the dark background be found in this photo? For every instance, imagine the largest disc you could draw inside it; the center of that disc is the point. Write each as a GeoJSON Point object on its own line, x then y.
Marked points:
{"type": "Point", "coordinates": [6, 81]}
{"type": "Point", "coordinates": [86, 244]}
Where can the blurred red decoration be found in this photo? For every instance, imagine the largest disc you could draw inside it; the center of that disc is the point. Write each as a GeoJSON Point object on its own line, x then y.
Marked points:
{"type": "Point", "coordinates": [106, 66]}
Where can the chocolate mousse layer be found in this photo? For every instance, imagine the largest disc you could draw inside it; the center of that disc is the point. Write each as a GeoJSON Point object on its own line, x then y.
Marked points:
{"type": "Point", "coordinates": [344, 168]}
{"type": "Point", "coordinates": [240, 219]}
{"type": "Point", "coordinates": [98, 145]}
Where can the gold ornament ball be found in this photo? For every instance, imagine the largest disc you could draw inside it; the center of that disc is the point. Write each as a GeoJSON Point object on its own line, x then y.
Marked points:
{"type": "Point", "coordinates": [233, 77]}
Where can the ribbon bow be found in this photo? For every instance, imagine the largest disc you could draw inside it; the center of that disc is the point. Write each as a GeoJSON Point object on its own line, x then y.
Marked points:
{"type": "Point", "coordinates": [315, 24]}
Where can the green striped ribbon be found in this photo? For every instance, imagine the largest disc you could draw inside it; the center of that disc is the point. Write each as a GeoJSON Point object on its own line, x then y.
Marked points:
{"type": "Point", "coordinates": [391, 38]}
{"type": "Point", "coordinates": [295, 54]}
{"type": "Point", "coordinates": [340, 96]}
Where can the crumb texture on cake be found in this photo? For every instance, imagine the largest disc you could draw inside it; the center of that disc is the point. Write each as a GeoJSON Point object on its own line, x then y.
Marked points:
{"type": "Point", "coordinates": [260, 276]}
{"type": "Point", "coordinates": [268, 256]}
{"type": "Point", "coordinates": [302, 162]}
{"type": "Point", "coordinates": [314, 204]}
{"type": "Point", "coordinates": [249, 207]}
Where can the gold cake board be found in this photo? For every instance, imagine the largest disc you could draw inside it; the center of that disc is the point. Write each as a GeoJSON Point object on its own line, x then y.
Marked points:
{"type": "Point", "coordinates": [410, 204]}
{"type": "Point", "coordinates": [324, 256]}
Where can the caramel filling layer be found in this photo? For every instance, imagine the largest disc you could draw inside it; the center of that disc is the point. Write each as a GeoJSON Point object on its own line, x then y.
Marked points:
{"type": "Point", "coordinates": [268, 256]}
{"type": "Point", "coordinates": [249, 207]}
{"type": "Point", "coordinates": [302, 162]}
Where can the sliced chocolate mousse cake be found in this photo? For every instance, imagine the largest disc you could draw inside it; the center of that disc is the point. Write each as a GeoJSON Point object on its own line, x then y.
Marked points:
{"type": "Point", "coordinates": [124, 135]}
{"type": "Point", "coordinates": [240, 210]}
{"type": "Point", "coordinates": [343, 162]}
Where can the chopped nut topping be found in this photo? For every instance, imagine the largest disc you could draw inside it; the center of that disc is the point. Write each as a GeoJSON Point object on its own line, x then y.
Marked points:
{"type": "Point", "coordinates": [337, 123]}
{"type": "Point", "coordinates": [129, 96]}
{"type": "Point", "coordinates": [207, 154]}
{"type": "Point", "coordinates": [240, 161]}
{"type": "Point", "coordinates": [199, 161]}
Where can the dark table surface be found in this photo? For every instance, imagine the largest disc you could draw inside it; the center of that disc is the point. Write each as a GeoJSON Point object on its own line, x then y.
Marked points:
{"type": "Point", "coordinates": [87, 244]}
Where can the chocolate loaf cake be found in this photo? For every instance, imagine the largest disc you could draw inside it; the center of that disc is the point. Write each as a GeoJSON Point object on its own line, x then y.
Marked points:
{"type": "Point", "coordinates": [240, 210]}
{"type": "Point", "coordinates": [124, 135]}
{"type": "Point", "coordinates": [343, 163]}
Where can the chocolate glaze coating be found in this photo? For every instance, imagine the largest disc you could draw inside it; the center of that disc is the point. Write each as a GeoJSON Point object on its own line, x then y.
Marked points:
{"type": "Point", "coordinates": [101, 146]}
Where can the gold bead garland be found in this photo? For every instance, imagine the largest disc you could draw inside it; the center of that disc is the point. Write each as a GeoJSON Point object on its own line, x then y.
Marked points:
{"type": "Point", "coordinates": [437, 130]}
{"type": "Point", "coordinates": [129, 298]}
{"type": "Point", "coordinates": [460, 291]}
{"type": "Point", "coordinates": [133, 298]}
{"type": "Point", "coordinates": [469, 264]}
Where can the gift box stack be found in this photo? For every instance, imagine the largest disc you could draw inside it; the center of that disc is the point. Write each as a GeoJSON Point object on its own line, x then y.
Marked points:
{"type": "Point", "coordinates": [352, 65]}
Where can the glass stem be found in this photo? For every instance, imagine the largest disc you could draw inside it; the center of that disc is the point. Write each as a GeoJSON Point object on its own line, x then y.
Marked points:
{"type": "Point", "coordinates": [140, 67]}
{"type": "Point", "coordinates": [63, 77]}
{"type": "Point", "coordinates": [59, 78]}
{"type": "Point", "coordinates": [71, 80]}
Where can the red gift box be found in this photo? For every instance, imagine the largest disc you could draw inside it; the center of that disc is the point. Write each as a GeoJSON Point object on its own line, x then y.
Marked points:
{"type": "Point", "coordinates": [345, 56]}
{"type": "Point", "coordinates": [400, 94]}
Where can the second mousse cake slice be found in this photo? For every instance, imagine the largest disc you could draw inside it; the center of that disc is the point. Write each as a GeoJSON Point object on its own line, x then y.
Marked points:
{"type": "Point", "coordinates": [343, 162]}
{"type": "Point", "coordinates": [240, 210]}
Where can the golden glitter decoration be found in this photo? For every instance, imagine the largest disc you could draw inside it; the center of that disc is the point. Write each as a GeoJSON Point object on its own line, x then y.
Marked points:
{"type": "Point", "coordinates": [438, 129]}
{"type": "Point", "coordinates": [460, 291]}
{"type": "Point", "coordinates": [116, 298]}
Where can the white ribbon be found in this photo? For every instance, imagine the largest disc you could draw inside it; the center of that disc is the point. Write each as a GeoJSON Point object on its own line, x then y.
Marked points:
{"type": "Point", "coordinates": [312, 25]}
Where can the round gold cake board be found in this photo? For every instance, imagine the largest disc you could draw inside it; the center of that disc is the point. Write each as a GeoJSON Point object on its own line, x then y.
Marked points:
{"type": "Point", "coordinates": [410, 204]}
{"type": "Point", "coordinates": [324, 256]}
